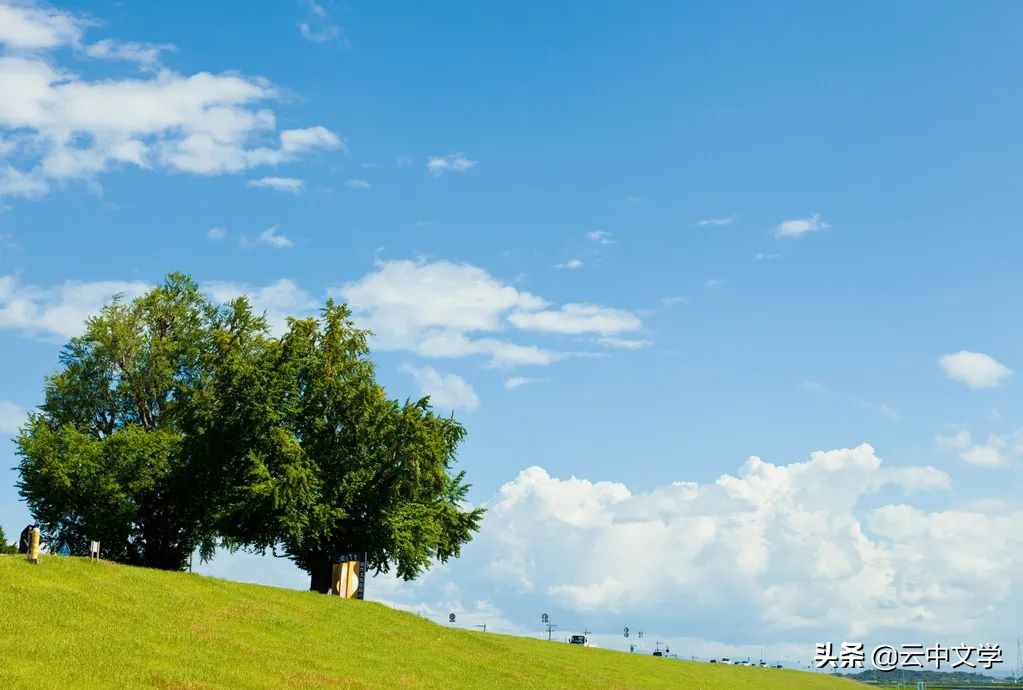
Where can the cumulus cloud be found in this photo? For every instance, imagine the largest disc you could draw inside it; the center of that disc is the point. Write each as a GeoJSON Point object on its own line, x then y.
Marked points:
{"type": "Point", "coordinates": [800, 226]}
{"type": "Point", "coordinates": [280, 184]}
{"type": "Point", "coordinates": [998, 451]}
{"type": "Point", "coordinates": [453, 162]}
{"type": "Point", "coordinates": [773, 550]}
{"type": "Point", "coordinates": [58, 312]}
{"type": "Point", "coordinates": [27, 27]}
{"type": "Point", "coordinates": [60, 126]}
{"type": "Point", "coordinates": [975, 369]}
{"type": "Point", "coordinates": [11, 417]}
{"type": "Point", "coordinates": [446, 391]}
{"type": "Point", "coordinates": [444, 309]}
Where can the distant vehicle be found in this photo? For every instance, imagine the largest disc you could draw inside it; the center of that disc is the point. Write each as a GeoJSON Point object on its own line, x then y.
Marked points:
{"type": "Point", "coordinates": [579, 640]}
{"type": "Point", "coordinates": [713, 661]}
{"type": "Point", "coordinates": [725, 660]}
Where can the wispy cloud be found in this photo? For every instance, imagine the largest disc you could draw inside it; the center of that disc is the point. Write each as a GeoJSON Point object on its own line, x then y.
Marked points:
{"type": "Point", "coordinates": [357, 184]}
{"type": "Point", "coordinates": [715, 222]}
{"type": "Point", "coordinates": [570, 264]}
{"type": "Point", "coordinates": [453, 162]}
{"type": "Point", "coordinates": [274, 239]}
{"type": "Point", "coordinates": [318, 27]}
{"type": "Point", "coordinates": [217, 234]}
{"type": "Point", "coordinates": [715, 282]}
{"type": "Point", "coordinates": [624, 343]}
{"type": "Point", "coordinates": [674, 300]}
{"type": "Point", "coordinates": [518, 381]}
{"type": "Point", "coordinates": [600, 236]}
{"type": "Point", "coordinates": [761, 256]}
{"type": "Point", "coordinates": [280, 184]}
{"type": "Point", "coordinates": [145, 55]}
{"type": "Point", "coordinates": [800, 226]}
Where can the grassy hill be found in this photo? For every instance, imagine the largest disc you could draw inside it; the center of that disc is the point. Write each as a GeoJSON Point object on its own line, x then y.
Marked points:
{"type": "Point", "coordinates": [72, 623]}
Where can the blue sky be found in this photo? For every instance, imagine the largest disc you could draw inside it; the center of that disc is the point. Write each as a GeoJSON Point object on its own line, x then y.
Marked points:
{"type": "Point", "coordinates": [631, 249]}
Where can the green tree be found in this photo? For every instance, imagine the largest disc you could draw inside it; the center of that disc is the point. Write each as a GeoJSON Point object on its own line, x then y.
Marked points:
{"type": "Point", "coordinates": [174, 423]}
{"type": "Point", "coordinates": [341, 467]}
{"type": "Point", "coordinates": [129, 446]}
{"type": "Point", "coordinates": [5, 548]}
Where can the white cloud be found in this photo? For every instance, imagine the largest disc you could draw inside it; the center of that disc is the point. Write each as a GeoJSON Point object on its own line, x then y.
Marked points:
{"type": "Point", "coordinates": [60, 126]}
{"type": "Point", "coordinates": [714, 282]}
{"type": "Point", "coordinates": [975, 369]}
{"type": "Point", "coordinates": [777, 549]}
{"type": "Point", "coordinates": [11, 417]}
{"type": "Point", "coordinates": [58, 312]}
{"type": "Point", "coordinates": [146, 55]}
{"type": "Point", "coordinates": [716, 222]}
{"type": "Point", "coordinates": [453, 162]}
{"type": "Point", "coordinates": [577, 319]}
{"type": "Point", "coordinates": [998, 451]}
{"type": "Point", "coordinates": [518, 381]}
{"type": "Point", "coordinates": [761, 256]}
{"type": "Point", "coordinates": [624, 343]}
{"type": "Point", "coordinates": [446, 391]}
{"type": "Point", "coordinates": [798, 227]}
{"type": "Point", "coordinates": [600, 236]}
{"type": "Point", "coordinates": [357, 184]}
{"type": "Point", "coordinates": [272, 238]}
{"type": "Point", "coordinates": [280, 184]}
{"type": "Point", "coordinates": [443, 309]}
{"type": "Point", "coordinates": [403, 161]}
{"type": "Point", "coordinates": [216, 233]}
{"type": "Point", "coordinates": [674, 300]}
{"type": "Point", "coordinates": [317, 28]}
{"type": "Point", "coordinates": [27, 27]}
{"type": "Point", "coordinates": [570, 264]}
{"type": "Point", "coordinates": [815, 387]}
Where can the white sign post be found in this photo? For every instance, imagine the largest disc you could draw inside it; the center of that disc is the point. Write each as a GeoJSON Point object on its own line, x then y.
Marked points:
{"type": "Point", "coordinates": [94, 550]}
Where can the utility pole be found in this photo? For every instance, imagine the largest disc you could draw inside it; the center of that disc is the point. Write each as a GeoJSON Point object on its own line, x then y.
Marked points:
{"type": "Point", "coordinates": [1019, 659]}
{"type": "Point", "coordinates": [484, 626]}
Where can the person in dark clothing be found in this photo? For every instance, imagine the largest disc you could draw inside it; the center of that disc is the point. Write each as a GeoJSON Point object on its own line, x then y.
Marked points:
{"type": "Point", "coordinates": [26, 539]}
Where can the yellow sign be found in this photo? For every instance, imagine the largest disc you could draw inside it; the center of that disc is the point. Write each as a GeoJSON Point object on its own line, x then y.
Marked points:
{"type": "Point", "coordinates": [346, 579]}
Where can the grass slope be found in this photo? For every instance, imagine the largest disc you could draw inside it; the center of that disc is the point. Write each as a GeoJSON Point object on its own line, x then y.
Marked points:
{"type": "Point", "coordinates": [71, 623]}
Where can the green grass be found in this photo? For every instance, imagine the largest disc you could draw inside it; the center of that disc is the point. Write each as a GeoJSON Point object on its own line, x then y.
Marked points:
{"type": "Point", "coordinates": [68, 622]}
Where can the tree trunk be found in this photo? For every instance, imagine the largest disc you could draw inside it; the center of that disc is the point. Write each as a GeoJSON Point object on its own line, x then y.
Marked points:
{"type": "Point", "coordinates": [320, 575]}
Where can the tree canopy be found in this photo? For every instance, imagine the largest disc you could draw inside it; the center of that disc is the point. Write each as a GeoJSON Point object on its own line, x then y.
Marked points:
{"type": "Point", "coordinates": [174, 424]}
